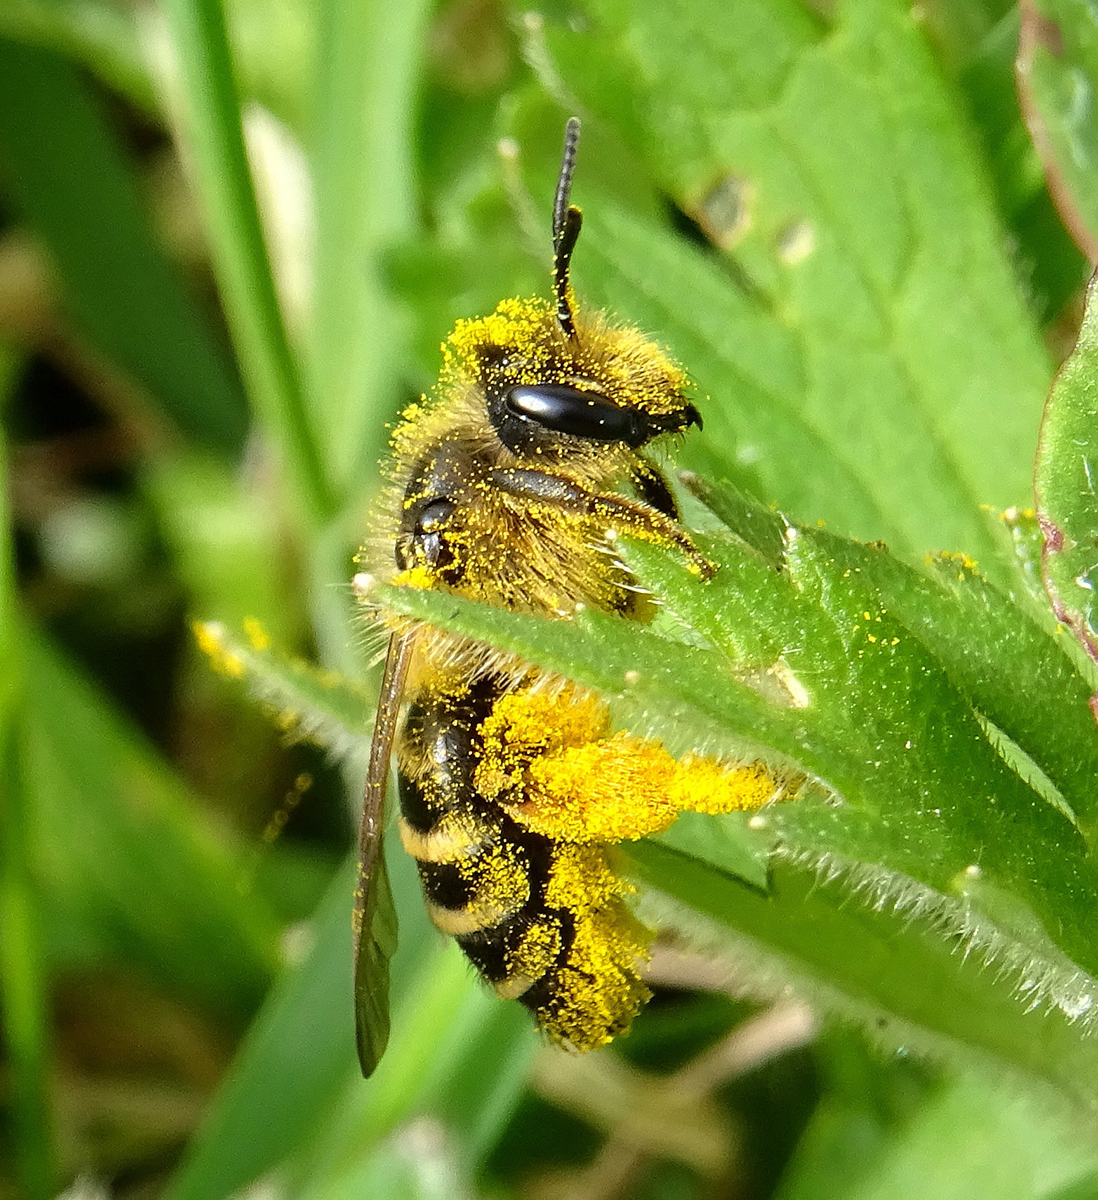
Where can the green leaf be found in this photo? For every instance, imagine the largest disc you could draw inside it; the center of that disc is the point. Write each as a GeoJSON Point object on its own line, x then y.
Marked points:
{"type": "Point", "coordinates": [862, 287]}
{"type": "Point", "coordinates": [118, 843]}
{"type": "Point", "coordinates": [1067, 503]}
{"type": "Point", "coordinates": [24, 987]}
{"type": "Point", "coordinates": [70, 178]}
{"type": "Point", "coordinates": [1084, 1188]}
{"type": "Point", "coordinates": [368, 63]}
{"type": "Point", "coordinates": [881, 721]}
{"type": "Point", "coordinates": [1028, 546]}
{"type": "Point", "coordinates": [1057, 66]}
{"type": "Point", "coordinates": [210, 116]}
{"type": "Point", "coordinates": [895, 972]}
{"type": "Point", "coordinates": [985, 642]}
{"type": "Point", "coordinates": [763, 529]}
{"type": "Point", "coordinates": [306, 701]}
{"type": "Point", "coordinates": [972, 1137]}
{"type": "Point", "coordinates": [978, 43]}
{"type": "Point", "coordinates": [741, 850]}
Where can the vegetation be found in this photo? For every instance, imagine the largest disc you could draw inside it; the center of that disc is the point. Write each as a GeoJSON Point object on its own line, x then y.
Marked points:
{"type": "Point", "coordinates": [231, 242]}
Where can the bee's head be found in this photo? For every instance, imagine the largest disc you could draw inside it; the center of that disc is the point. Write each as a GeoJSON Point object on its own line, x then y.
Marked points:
{"type": "Point", "coordinates": [548, 393]}
{"type": "Point", "coordinates": [552, 381]}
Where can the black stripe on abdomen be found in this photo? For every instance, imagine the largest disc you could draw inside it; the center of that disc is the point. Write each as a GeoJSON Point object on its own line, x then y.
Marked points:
{"type": "Point", "coordinates": [485, 884]}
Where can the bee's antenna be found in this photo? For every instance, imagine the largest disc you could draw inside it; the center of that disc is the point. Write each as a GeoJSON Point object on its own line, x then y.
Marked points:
{"type": "Point", "coordinates": [567, 220]}
{"type": "Point", "coordinates": [564, 182]}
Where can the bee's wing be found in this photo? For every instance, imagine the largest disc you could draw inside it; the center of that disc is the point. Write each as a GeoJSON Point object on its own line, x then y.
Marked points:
{"type": "Point", "coordinates": [374, 917]}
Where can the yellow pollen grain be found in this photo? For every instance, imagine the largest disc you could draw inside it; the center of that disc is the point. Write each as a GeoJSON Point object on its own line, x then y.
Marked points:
{"type": "Point", "coordinates": [416, 577]}
{"type": "Point", "coordinates": [525, 332]}
{"type": "Point", "coordinates": [607, 791]}
{"type": "Point", "coordinates": [581, 877]}
{"type": "Point", "coordinates": [257, 636]}
{"type": "Point", "coordinates": [211, 641]}
{"type": "Point", "coordinates": [526, 726]}
{"type": "Point", "coordinates": [707, 785]}
{"type": "Point", "coordinates": [516, 326]}
{"type": "Point", "coordinates": [624, 788]}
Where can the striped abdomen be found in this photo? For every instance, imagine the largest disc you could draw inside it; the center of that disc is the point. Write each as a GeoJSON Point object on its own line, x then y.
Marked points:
{"type": "Point", "coordinates": [542, 920]}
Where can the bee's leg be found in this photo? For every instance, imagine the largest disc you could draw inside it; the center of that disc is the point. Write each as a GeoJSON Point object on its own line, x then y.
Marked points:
{"type": "Point", "coordinates": [649, 525]}
{"type": "Point", "coordinates": [652, 487]}
{"type": "Point", "coordinates": [586, 785]}
{"type": "Point", "coordinates": [630, 516]}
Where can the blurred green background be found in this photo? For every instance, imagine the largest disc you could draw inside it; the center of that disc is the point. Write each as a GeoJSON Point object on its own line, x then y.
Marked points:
{"type": "Point", "coordinates": [833, 213]}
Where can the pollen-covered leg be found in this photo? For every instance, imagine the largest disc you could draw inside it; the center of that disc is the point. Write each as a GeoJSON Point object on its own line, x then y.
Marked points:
{"type": "Point", "coordinates": [649, 525]}
{"type": "Point", "coordinates": [595, 990]}
{"type": "Point", "coordinates": [549, 762]}
{"type": "Point", "coordinates": [625, 788]}
{"type": "Point", "coordinates": [617, 512]}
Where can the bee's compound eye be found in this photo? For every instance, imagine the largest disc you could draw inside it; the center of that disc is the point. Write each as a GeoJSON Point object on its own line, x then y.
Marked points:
{"type": "Point", "coordinates": [431, 548]}
{"type": "Point", "coordinates": [582, 414]}
{"type": "Point", "coordinates": [432, 517]}
{"type": "Point", "coordinates": [423, 540]}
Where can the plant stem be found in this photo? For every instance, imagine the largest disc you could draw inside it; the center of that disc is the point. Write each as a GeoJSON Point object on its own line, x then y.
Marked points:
{"type": "Point", "coordinates": [211, 114]}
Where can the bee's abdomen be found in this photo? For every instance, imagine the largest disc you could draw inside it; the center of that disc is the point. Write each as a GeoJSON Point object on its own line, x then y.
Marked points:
{"type": "Point", "coordinates": [542, 921]}
{"type": "Point", "coordinates": [483, 876]}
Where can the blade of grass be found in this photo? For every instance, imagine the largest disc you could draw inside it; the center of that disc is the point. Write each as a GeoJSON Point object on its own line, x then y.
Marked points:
{"type": "Point", "coordinates": [101, 36]}
{"type": "Point", "coordinates": [210, 114]}
{"type": "Point", "coordinates": [71, 179]}
{"type": "Point", "coordinates": [23, 985]}
{"type": "Point", "coordinates": [298, 1054]}
{"type": "Point", "coordinates": [121, 847]}
{"type": "Point", "coordinates": [368, 64]}
{"type": "Point", "coordinates": [7, 563]}
{"type": "Point", "coordinates": [24, 998]}
{"type": "Point", "coordinates": [289, 1087]}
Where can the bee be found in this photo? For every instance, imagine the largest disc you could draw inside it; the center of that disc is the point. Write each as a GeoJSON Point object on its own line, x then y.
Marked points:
{"type": "Point", "coordinates": [505, 487]}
